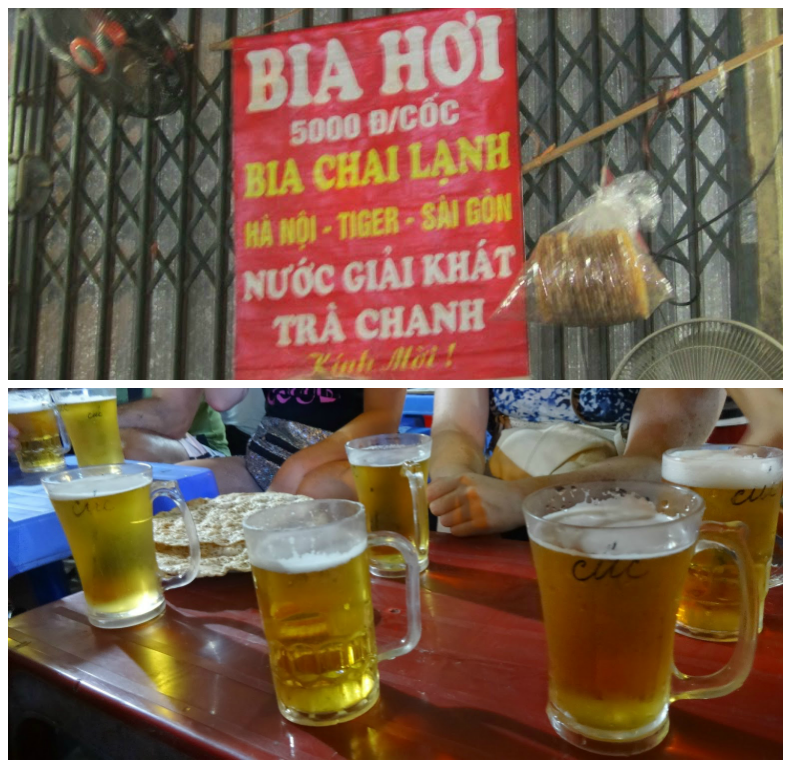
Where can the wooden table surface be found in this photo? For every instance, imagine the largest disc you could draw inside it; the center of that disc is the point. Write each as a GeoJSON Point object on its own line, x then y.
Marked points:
{"type": "Point", "coordinates": [196, 681]}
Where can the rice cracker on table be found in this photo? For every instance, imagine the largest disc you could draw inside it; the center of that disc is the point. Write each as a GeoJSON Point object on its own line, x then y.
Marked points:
{"type": "Point", "coordinates": [219, 524]}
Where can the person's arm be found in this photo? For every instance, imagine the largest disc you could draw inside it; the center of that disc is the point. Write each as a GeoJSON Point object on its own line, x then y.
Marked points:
{"type": "Point", "coordinates": [13, 434]}
{"type": "Point", "coordinates": [662, 418]}
{"type": "Point", "coordinates": [763, 409]}
{"type": "Point", "coordinates": [168, 412]}
{"type": "Point", "coordinates": [458, 431]}
{"type": "Point", "coordinates": [223, 399]}
{"type": "Point", "coordinates": [381, 414]}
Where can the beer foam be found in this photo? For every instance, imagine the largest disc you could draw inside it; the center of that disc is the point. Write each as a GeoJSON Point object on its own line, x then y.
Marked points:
{"type": "Point", "coordinates": [619, 529]}
{"type": "Point", "coordinates": [20, 404]}
{"type": "Point", "coordinates": [721, 468]}
{"type": "Point", "coordinates": [388, 455]}
{"type": "Point", "coordinates": [96, 486]}
{"type": "Point", "coordinates": [262, 556]}
{"type": "Point", "coordinates": [64, 399]}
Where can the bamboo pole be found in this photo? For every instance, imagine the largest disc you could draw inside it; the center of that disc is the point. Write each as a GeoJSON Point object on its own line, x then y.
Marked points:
{"type": "Point", "coordinates": [227, 45]}
{"type": "Point", "coordinates": [653, 103]}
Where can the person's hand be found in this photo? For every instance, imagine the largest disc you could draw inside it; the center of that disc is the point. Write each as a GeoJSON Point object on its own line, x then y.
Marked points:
{"type": "Point", "coordinates": [13, 434]}
{"type": "Point", "coordinates": [472, 505]}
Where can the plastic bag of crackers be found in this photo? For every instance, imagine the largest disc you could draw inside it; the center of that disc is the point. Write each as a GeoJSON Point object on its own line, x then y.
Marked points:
{"type": "Point", "coordinates": [594, 268]}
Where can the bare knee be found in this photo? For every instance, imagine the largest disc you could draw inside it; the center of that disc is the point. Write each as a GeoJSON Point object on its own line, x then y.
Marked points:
{"type": "Point", "coordinates": [140, 445]}
{"type": "Point", "coordinates": [133, 442]}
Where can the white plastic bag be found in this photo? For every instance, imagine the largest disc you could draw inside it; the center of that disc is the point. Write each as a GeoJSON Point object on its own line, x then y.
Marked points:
{"type": "Point", "coordinates": [594, 269]}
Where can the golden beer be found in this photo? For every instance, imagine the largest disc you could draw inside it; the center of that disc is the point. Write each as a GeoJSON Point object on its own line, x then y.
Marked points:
{"type": "Point", "coordinates": [390, 475]}
{"type": "Point", "coordinates": [108, 523]}
{"type": "Point", "coordinates": [310, 567]}
{"type": "Point", "coordinates": [40, 446]}
{"type": "Point", "coordinates": [610, 625]}
{"type": "Point", "coordinates": [738, 483]}
{"type": "Point", "coordinates": [91, 419]}
{"type": "Point", "coordinates": [611, 560]}
{"type": "Point", "coordinates": [387, 497]}
{"type": "Point", "coordinates": [107, 513]}
{"type": "Point", "coordinates": [319, 626]}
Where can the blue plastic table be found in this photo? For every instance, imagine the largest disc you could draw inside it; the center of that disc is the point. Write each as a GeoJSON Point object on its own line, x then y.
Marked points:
{"type": "Point", "coordinates": [35, 537]}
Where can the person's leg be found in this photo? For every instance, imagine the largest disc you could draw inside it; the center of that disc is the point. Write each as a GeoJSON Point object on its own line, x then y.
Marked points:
{"type": "Point", "coordinates": [140, 445]}
{"type": "Point", "coordinates": [333, 480]}
{"type": "Point", "coordinates": [230, 473]}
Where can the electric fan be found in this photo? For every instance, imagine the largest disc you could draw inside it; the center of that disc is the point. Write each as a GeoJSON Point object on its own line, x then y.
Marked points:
{"type": "Point", "coordinates": [704, 349]}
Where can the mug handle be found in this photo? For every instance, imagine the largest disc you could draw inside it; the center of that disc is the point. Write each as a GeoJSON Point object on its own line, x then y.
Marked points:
{"type": "Point", "coordinates": [776, 574]}
{"type": "Point", "coordinates": [417, 487]}
{"type": "Point", "coordinates": [170, 490]}
{"type": "Point", "coordinates": [735, 672]}
{"type": "Point", "coordinates": [64, 435]}
{"type": "Point", "coordinates": [414, 625]}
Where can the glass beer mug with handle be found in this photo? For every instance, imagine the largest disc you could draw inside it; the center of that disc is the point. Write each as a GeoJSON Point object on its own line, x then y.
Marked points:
{"type": "Point", "coordinates": [737, 482]}
{"type": "Point", "coordinates": [310, 568]}
{"type": "Point", "coordinates": [91, 419]}
{"type": "Point", "coordinates": [390, 475]}
{"type": "Point", "coordinates": [611, 560]}
{"type": "Point", "coordinates": [107, 513]}
{"type": "Point", "coordinates": [42, 439]}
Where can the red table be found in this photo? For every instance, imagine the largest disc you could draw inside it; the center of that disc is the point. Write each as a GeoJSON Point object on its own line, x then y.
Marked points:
{"type": "Point", "coordinates": [196, 681]}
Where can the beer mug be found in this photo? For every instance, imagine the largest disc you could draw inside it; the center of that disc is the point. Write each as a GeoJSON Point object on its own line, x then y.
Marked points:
{"type": "Point", "coordinates": [42, 439]}
{"type": "Point", "coordinates": [390, 474]}
{"type": "Point", "coordinates": [106, 513]}
{"type": "Point", "coordinates": [91, 419]}
{"type": "Point", "coordinates": [611, 559]}
{"type": "Point", "coordinates": [737, 482]}
{"type": "Point", "coordinates": [310, 568]}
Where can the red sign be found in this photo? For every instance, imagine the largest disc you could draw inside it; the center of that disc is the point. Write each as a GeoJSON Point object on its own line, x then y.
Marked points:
{"type": "Point", "coordinates": [378, 207]}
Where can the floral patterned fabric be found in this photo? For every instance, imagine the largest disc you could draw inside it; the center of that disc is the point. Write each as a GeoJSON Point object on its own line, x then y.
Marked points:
{"type": "Point", "coordinates": [606, 406]}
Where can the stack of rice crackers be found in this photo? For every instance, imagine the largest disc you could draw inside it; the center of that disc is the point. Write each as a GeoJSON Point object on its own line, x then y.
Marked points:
{"type": "Point", "coordinates": [600, 279]}
{"type": "Point", "coordinates": [219, 524]}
